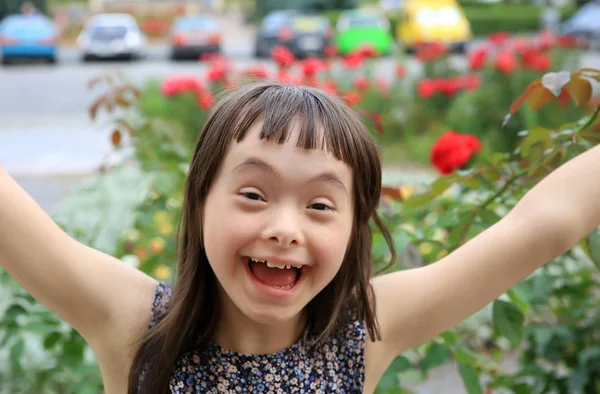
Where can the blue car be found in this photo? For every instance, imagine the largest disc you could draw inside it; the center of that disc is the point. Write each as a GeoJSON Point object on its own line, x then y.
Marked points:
{"type": "Point", "coordinates": [28, 36]}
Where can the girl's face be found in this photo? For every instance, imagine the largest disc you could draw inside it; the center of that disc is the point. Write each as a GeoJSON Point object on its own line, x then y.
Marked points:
{"type": "Point", "coordinates": [272, 208]}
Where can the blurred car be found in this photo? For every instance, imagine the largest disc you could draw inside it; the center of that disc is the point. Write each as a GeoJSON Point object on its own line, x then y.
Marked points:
{"type": "Point", "coordinates": [193, 36]}
{"type": "Point", "coordinates": [433, 21]}
{"type": "Point", "coordinates": [112, 36]}
{"type": "Point", "coordinates": [304, 34]}
{"type": "Point", "coordinates": [357, 28]}
{"type": "Point", "coordinates": [28, 36]}
{"type": "Point", "coordinates": [584, 26]}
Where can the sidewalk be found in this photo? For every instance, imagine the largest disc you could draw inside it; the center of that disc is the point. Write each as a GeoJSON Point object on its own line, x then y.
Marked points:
{"type": "Point", "coordinates": [53, 152]}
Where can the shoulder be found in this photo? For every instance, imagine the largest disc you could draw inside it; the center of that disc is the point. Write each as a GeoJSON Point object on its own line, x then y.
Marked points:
{"type": "Point", "coordinates": [347, 344]}
{"type": "Point", "coordinates": [161, 302]}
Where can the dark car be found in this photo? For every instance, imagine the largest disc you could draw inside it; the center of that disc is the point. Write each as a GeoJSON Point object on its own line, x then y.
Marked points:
{"type": "Point", "coordinates": [193, 36]}
{"type": "Point", "coordinates": [305, 34]}
{"type": "Point", "coordinates": [584, 25]}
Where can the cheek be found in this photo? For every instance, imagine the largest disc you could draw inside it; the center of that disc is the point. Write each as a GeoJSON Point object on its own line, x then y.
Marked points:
{"type": "Point", "coordinates": [330, 245]}
{"type": "Point", "coordinates": [225, 230]}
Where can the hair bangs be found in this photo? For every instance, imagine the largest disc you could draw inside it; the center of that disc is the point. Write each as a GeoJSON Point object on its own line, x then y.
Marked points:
{"type": "Point", "coordinates": [322, 121]}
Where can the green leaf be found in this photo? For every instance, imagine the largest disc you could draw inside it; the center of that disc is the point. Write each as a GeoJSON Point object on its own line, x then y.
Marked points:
{"type": "Point", "coordinates": [390, 377]}
{"type": "Point", "coordinates": [399, 365]}
{"type": "Point", "coordinates": [51, 340]}
{"type": "Point", "coordinates": [537, 135]}
{"type": "Point", "coordinates": [418, 200]}
{"type": "Point", "coordinates": [165, 183]}
{"type": "Point", "coordinates": [16, 351]}
{"type": "Point", "coordinates": [401, 241]}
{"type": "Point", "coordinates": [468, 356]}
{"type": "Point", "coordinates": [472, 182]}
{"type": "Point", "coordinates": [519, 299]}
{"type": "Point", "coordinates": [470, 378]}
{"type": "Point", "coordinates": [593, 243]}
{"type": "Point", "coordinates": [462, 229]}
{"type": "Point", "coordinates": [450, 337]}
{"type": "Point", "coordinates": [578, 379]}
{"type": "Point", "coordinates": [489, 216]}
{"type": "Point", "coordinates": [589, 354]}
{"type": "Point", "coordinates": [437, 354]}
{"type": "Point", "coordinates": [13, 311]}
{"type": "Point", "coordinates": [442, 184]}
{"type": "Point", "coordinates": [508, 320]}
{"type": "Point", "coordinates": [591, 134]}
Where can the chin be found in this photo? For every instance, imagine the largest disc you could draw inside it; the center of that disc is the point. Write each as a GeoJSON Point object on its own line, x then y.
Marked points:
{"type": "Point", "coordinates": [272, 315]}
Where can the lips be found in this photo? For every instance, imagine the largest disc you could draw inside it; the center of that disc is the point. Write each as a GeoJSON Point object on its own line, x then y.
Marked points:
{"type": "Point", "coordinates": [276, 291]}
{"type": "Point", "coordinates": [275, 275]}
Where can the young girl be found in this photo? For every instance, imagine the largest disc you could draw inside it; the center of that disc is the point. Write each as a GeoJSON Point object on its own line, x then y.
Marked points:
{"type": "Point", "coordinates": [274, 291]}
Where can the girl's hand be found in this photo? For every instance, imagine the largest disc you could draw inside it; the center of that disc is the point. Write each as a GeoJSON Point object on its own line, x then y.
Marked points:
{"type": "Point", "coordinates": [95, 293]}
{"type": "Point", "coordinates": [415, 305]}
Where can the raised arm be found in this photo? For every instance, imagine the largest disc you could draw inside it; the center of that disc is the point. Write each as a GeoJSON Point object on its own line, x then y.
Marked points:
{"type": "Point", "coordinates": [415, 305]}
{"type": "Point", "coordinates": [88, 289]}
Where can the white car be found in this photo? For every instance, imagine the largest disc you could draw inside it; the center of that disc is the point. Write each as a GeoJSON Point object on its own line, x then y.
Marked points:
{"type": "Point", "coordinates": [112, 36]}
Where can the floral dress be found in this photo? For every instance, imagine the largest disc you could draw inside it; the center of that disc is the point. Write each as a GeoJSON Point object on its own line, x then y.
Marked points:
{"type": "Point", "coordinates": [335, 366]}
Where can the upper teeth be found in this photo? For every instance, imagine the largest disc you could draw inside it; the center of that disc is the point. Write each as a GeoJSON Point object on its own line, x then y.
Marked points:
{"type": "Point", "coordinates": [274, 265]}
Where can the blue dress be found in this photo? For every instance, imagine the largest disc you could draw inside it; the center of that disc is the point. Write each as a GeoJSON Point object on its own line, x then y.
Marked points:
{"type": "Point", "coordinates": [335, 366]}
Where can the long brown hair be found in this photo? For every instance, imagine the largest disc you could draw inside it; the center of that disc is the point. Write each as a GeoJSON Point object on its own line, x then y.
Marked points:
{"type": "Point", "coordinates": [193, 310]}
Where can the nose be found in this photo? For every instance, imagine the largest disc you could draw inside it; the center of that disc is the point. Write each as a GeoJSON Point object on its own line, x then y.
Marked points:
{"type": "Point", "coordinates": [285, 228]}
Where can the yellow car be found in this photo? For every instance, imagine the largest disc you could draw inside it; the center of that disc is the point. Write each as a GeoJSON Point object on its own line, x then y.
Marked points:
{"type": "Point", "coordinates": [429, 21]}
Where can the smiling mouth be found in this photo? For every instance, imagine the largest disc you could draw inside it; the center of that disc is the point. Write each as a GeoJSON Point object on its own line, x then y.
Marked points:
{"type": "Point", "coordinates": [274, 275]}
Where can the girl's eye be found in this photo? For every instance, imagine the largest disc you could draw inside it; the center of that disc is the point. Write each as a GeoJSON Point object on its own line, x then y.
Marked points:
{"type": "Point", "coordinates": [252, 196]}
{"type": "Point", "coordinates": [321, 207]}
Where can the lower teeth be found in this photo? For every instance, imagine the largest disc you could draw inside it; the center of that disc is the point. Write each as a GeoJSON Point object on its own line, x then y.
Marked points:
{"type": "Point", "coordinates": [285, 287]}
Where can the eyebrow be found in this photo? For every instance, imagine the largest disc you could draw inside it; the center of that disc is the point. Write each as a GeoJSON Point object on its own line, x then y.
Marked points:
{"type": "Point", "coordinates": [327, 177]}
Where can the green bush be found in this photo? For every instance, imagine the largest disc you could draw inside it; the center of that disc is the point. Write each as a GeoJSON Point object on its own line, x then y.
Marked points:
{"type": "Point", "coordinates": [512, 18]}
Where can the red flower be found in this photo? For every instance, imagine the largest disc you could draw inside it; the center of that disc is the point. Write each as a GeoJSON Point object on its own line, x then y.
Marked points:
{"type": "Point", "coordinates": [566, 41]}
{"type": "Point", "coordinates": [520, 44]}
{"type": "Point", "coordinates": [427, 88]}
{"type": "Point", "coordinates": [367, 51]}
{"type": "Point", "coordinates": [330, 87]}
{"type": "Point", "coordinates": [429, 52]}
{"type": "Point", "coordinates": [546, 40]}
{"type": "Point", "coordinates": [361, 83]}
{"type": "Point", "coordinates": [377, 119]}
{"type": "Point", "coordinates": [499, 38]}
{"type": "Point", "coordinates": [283, 57]}
{"type": "Point", "coordinates": [217, 70]}
{"type": "Point", "coordinates": [259, 72]}
{"type": "Point", "coordinates": [542, 63]}
{"type": "Point", "coordinates": [400, 71]}
{"type": "Point", "coordinates": [353, 60]}
{"type": "Point", "coordinates": [505, 62]}
{"type": "Point", "coordinates": [383, 86]}
{"type": "Point", "coordinates": [178, 84]}
{"type": "Point", "coordinates": [330, 50]}
{"type": "Point", "coordinates": [453, 150]}
{"type": "Point", "coordinates": [285, 77]}
{"type": "Point", "coordinates": [352, 98]}
{"type": "Point", "coordinates": [469, 81]}
{"type": "Point", "coordinates": [311, 66]}
{"type": "Point", "coordinates": [449, 87]}
{"type": "Point", "coordinates": [205, 100]}
{"type": "Point", "coordinates": [478, 57]}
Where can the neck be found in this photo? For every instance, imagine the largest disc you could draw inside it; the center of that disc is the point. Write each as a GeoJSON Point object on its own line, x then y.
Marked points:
{"type": "Point", "coordinates": [238, 333]}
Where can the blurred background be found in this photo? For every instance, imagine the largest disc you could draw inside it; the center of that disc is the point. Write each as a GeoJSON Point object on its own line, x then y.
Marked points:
{"type": "Point", "coordinates": [55, 141]}
{"type": "Point", "coordinates": [51, 49]}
